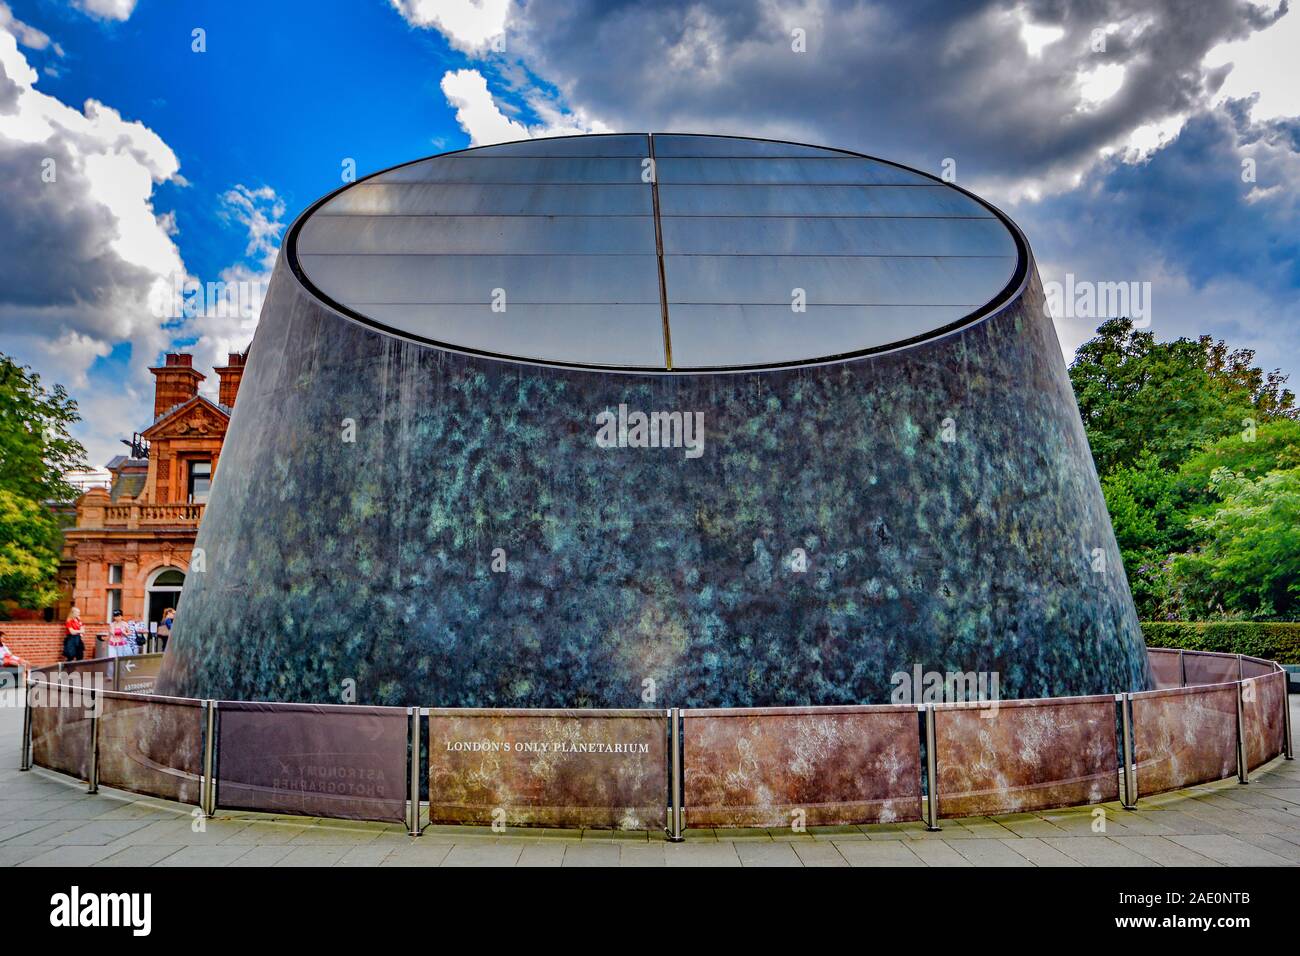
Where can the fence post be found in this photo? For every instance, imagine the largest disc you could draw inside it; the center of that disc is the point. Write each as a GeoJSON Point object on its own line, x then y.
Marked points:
{"type": "Point", "coordinates": [1286, 715]}
{"type": "Point", "coordinates": [208, 792]}
{"type": "Point", "coordinates": [1241, 670]}
{"type": "Point", "coordinates": [94, 743]}
{"type": "Point", "coordinates": [25, 758]}
{"type": "Point", "coordinates": [413, 803]}
{"type": "Point", "coordinates": [1243, 771]}
{"type": "Point", "coordinates": [931, 771]}
{"type": "Point", "coordinates": [675, 813]}
{"type": "Point", "coordinates": [1130, 776]}
{"type": "Point", "coordinates": [1182, 668]}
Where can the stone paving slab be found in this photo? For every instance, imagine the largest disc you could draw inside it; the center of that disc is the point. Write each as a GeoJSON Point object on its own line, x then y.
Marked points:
{"type": "Point", "coordinates": [49, 820]}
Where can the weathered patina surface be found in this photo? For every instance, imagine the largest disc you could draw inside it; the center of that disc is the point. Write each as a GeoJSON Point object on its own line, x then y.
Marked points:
{"type": "Point", "coordinates": [1009, 756]}
{"type": "Point", "coordinates": [152, 746]}
{"type": "Point", "coordinates": [443, 527]}
{"type": "Point", "coordinates": [1166, 669]}
{"type": "Point", "coordinates": [1261, 709]}
{"type": "Point", "coordinates": [1204, 667]}
{"type": "Point", "coordinates": [560, 768]}
{"type": "Point", "coordinates": [60, 734]}
{"type": "Point", "coordinates": [822, 766]}
{"type": "Point", "coordinates": [1184, 736]}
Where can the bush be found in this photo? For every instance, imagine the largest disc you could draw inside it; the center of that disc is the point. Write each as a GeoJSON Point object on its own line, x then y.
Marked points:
{"type": "Point", "coordinates": [1271, 640]}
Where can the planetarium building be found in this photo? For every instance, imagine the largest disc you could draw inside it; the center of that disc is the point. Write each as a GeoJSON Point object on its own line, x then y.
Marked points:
{"type": "Point", "coordinates": [653, 420]}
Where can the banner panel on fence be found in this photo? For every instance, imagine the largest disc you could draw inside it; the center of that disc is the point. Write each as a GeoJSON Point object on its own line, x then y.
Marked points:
{"type": "Point", "coordinates": [1204, 667]}
{"type": "Point", "coordinates": [96, 665]}
{"type": "Point", "coordinates": [152, 745]}
{"type": "Point", "coordinates": [61, 725]}
{"type": "Point", "coordinates": [1166, 669]}
{"type": "Point", "coordinates": [137, 674]}
{"type": "Point", "coordinates": [314, 760]}
{"type": "Point", "coordinates": [823, 766]}
{"type": "Point", "coordinates": [558, 768]}
{"type": "Point", "coordinates": [1016, 755]}
{"type": "Point", "coordinates": [1254, 667]}
{"type": "Point", "coordinates": [1262, 700]}
{"type": "Point", "coordinates": [1184, 737]}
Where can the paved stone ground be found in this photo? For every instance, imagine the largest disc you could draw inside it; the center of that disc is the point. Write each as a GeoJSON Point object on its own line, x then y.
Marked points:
{"type": "Point", "coordinates": [48, 820]}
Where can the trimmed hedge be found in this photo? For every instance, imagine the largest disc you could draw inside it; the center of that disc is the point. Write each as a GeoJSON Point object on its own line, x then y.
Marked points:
{"type": "Point", "coordinates": [1272, 640]}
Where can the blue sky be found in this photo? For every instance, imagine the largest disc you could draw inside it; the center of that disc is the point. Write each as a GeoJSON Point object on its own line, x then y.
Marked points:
{"type": "Point", "coordinates": [1124, 163]}
{"type": "Point", "coordinates": [279, 98]}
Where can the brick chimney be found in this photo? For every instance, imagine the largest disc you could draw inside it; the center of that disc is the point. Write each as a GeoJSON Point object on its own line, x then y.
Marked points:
{"type": "Point", "coordinates": [175, 382]}
{"type": "Point", "coordinates": [230, 375]}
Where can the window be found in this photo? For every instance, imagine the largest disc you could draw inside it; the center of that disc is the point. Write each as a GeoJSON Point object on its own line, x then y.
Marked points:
{"type": "Point", "coordinates": [114, 600]}
{"type": "Point", "coordinates": [115, 574]}
{"type": "Point", "coordinates": [200, 480]}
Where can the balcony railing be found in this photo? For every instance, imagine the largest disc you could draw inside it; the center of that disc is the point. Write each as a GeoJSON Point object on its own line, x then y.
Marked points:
{"type": "Point", "coordinates": [144, 516]}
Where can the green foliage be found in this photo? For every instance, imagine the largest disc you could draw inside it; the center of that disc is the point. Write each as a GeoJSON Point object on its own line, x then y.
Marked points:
{"type": "Point", "coordinates": [1272, 640]}
{"type": "Point", "coordinates": [1272, 446]}
{"type": "Point", "coordinates": [1198, 451]}
{"type": "Point", "coordinates": [1146, 511]}
{"type": "Point", "coordinates": [1167, 399]}
{"type": "Point", "coordinates": [36, 451]}
{"type": "Point", "coordinates": [29, 551]}
{"type": "Point", "coordinates": [1249, 561]}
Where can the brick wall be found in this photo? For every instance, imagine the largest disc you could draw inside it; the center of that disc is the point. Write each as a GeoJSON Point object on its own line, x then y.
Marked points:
{"type": "Point", "coordinates": [37, 643]}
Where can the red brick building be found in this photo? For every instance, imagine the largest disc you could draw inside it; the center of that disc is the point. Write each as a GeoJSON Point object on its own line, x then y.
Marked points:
{"type": "Point", "coordinates": [130, 547]}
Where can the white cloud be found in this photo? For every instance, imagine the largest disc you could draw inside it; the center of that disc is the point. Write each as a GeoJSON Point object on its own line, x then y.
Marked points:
{"type": "Point", "coordinates": [472, 26]}
{"type": "Point", "coordinates": [1263, 63]}
{"type": "Point", "coordinates": [106, 9]}
{"type": "Point", "coordinates": [1099, 84]}
{"type": "Point", "coordinates": [479, 115]}
{"type": "Point", "coordinates": [26, 35]}
{"type": "Point", "coordinates": [1036, 36]}
{"type": "Point", "coordinates": [83, 248]}
{"type": "Point", "coordinates": [225, 327]}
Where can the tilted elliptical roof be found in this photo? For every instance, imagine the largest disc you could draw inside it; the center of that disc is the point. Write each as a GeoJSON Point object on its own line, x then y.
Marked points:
{"type": "Point", "coordinates": [663, 252]}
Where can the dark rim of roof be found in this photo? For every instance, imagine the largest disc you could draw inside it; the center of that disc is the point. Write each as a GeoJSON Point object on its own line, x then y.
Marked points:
{"type": "Point", "coordinates": [1009, 293]}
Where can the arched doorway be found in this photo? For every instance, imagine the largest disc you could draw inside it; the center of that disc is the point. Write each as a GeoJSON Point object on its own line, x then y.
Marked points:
{"type": "Point", "coordinates": [163, 591]}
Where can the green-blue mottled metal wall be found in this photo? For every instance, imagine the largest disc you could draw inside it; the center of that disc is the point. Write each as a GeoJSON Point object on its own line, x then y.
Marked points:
{"type": "Point", "coordinates": [371, 560]}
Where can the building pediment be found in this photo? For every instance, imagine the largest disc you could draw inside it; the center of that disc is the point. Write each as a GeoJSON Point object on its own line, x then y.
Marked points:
{"type": "Point", "coordinates": [197, 418]}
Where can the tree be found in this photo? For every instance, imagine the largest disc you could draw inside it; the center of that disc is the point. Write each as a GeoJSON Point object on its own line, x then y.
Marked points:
{"type": "Point", "coordinates": [1167, 399]}
{"type": "Point", "coordinates": [29, 552]}
{"type": "Point", "coordinates": [1249, 563]}
{"type": "Point", "coordinates": [1147, 512]}
{"type": "Point", "coordinates": [1252, 452]}
{"type": "Point", "coordinates": [1189, 437]}
{"type": "Point", "coordinates": [35, 452]}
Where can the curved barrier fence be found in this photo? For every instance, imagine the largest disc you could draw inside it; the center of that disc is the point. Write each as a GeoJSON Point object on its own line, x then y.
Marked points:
{"type": "Point", "coordinates": [1209, 717]}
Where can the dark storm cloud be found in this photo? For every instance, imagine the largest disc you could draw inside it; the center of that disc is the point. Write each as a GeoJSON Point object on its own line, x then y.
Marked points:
{"type": "Point", "coordinates": [1222, 252]}
{"type": "Point", "coordinates": [55, 248]}
{"type": "Point", "coordinates": [913, 81]}
{"type": "Point", "coordinates": [1192, 203]}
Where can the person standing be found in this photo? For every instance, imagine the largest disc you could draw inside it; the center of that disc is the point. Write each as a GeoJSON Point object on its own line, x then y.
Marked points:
{"type": "Point", "coordinates": [74, 648]}
{"type": "Point", "coordinates": [165, 627]}
{"type": "Point", "coordinates": [119, 636]}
